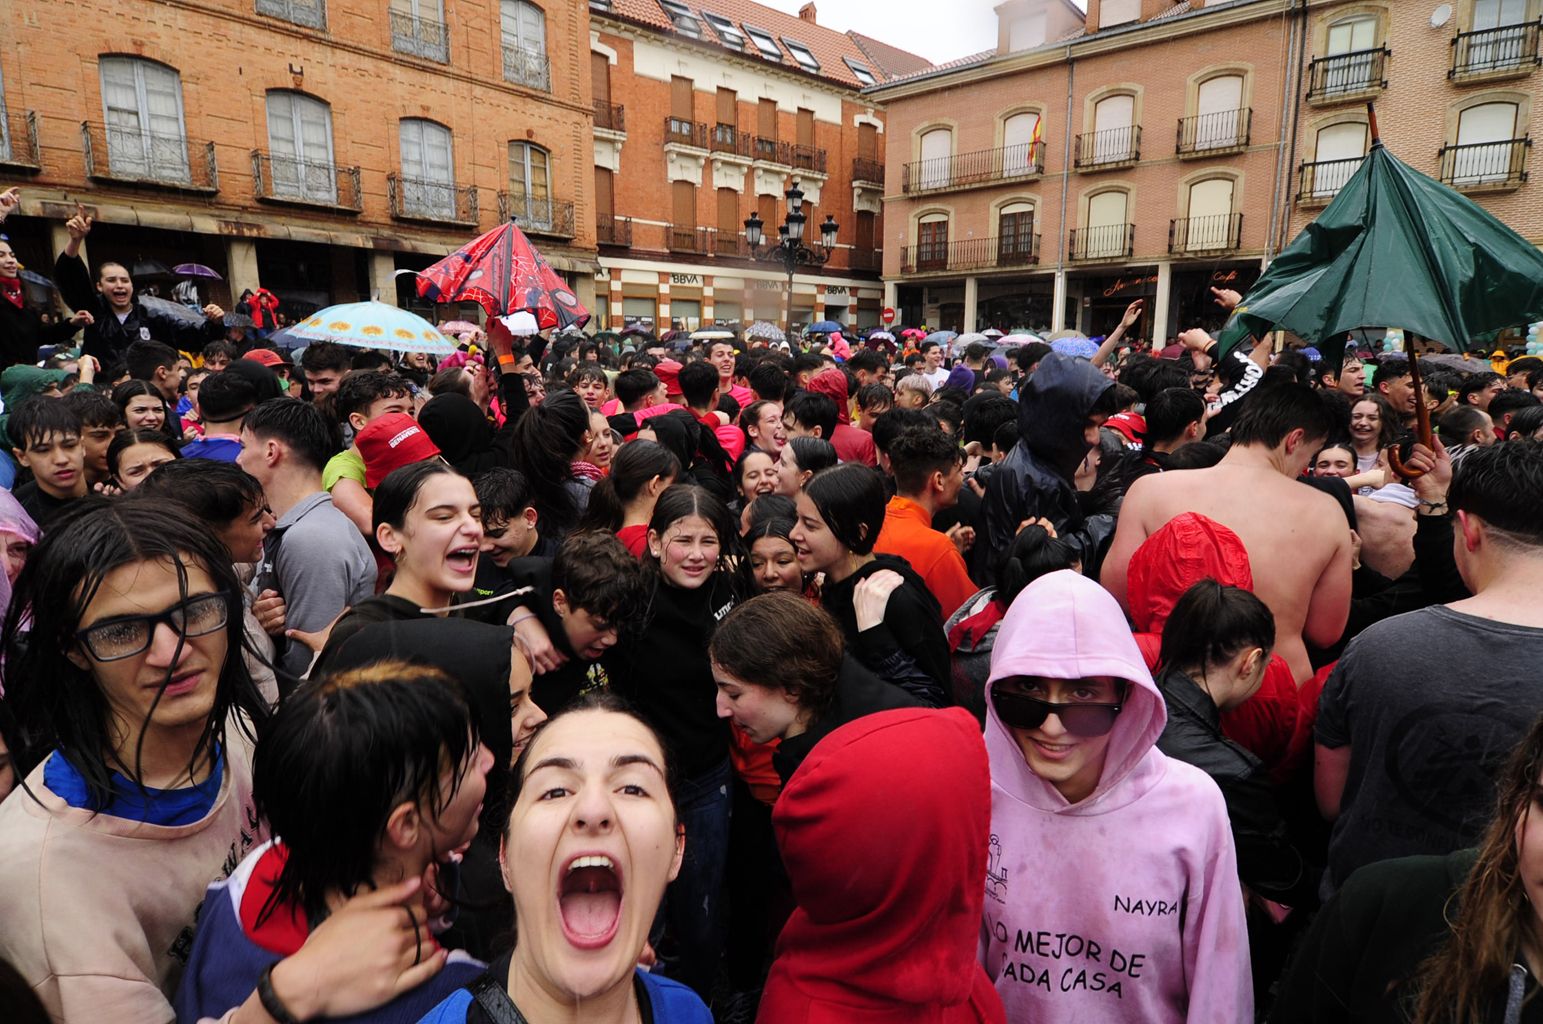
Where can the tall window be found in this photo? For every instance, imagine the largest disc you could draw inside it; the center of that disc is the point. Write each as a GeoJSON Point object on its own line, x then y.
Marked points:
{"type": "Point", "coordinates": [418, 29]}
{"type": "Point", "coordinates": [863, 231]}
{"type": "Point", "coordinates": [1015, 232]}
{"type": "Point", "coordinates": [1484, 149]}
{"type": "Point", "coordinates": [936, 149]}
{"type": "Point", "coordinates": [5, 125]}
{"type": "Point", "coordinates": [683, 206]}
{"type": "Point", "coordinates": [1504, 39]}
{"type": "Point", "coordinates": [726, 130]}
{"type": "Point", "coordinates": [605, 204]}
{"type": "Point", "coordinates": [300, 147]}
{"type": "Point", "coordinates": [1019, 155]}
{"type": "Point", "coordinates": [428, 170]}
{"type": "Point", "coordinates": [1218, 109]}
{"type": "Point", "coordinates": [1352, 65]}
{"type": "Point", "coordinates": [1114, 138]}
{"type": "Point", "coordinates": [142, 103]}
{"type": "Point", "coordinates": [1339, 151]}
{"type": "Point", "coordinates": [530, 185]}
{"type": "Point", "coordinates": [728, 221]}
{"type": "Point", "coordinates": [311, 13]}
{"type": "Point", "coordinates": [932, 242]}
{"type": "Point", "coordinates": [524, 45]}
{"type": "Point", "coordinates": [1210, 215]}
{"type": "Point", "coordinates": [1108, 227]}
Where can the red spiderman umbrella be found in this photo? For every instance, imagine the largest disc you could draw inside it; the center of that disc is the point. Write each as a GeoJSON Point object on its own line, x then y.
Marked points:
{"type": "Point", "coordinates": [502, 272]}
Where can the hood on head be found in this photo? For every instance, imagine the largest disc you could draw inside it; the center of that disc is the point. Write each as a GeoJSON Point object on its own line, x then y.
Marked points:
{"type": "Point", "coordinates": [1065, 626]}
{"type": "Point", "coordinates": [1182, 552]}
{"type": "Point", "coordinates": [1053, 409]}
{"type": "Point", "coordinates": [21, 382]}
{"type": "Point", "coordinates": [895, 917]}
{"type": "Point", "coordinates": [832, 383]}
{"type": "Point", "coordinates": [456, 426]}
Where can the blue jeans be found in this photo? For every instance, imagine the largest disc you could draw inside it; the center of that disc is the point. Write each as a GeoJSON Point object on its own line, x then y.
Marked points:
{"type": "Point", "coordinates": [693, 912]}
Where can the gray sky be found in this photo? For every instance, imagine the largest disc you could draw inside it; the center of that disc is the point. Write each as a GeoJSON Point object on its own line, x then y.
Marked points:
{"type": "Point", "coordinates": [939, 30]}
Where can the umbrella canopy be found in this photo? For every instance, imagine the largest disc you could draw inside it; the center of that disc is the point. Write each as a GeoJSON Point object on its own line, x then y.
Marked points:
{"type": "Point", "coordinates": [1019, 339]}
{"type": "Point", "coordinates": [765, 330]}
{"type": "Point", "coordinates": [284, 339]}
{"type": "Point", "coordinates": [521, 323]}
{"type": "Point", "coordinates": [942, 337]}
{"type": "Point", "coordinates": [711, 334]}
{"type": "Point", "coordinates": [374, 325]}
{"type": "Point", "coordinates": [176, 310]}
{"type": "Point", "coordinates": [971, 338]}
{"type": "Point", "coordinates": [149, 268]}
{"type": "Point", "coordinates": [880, 336]}
{"type": "Point", "coordinates": [455, 327]}
{"type": "Point", "coordinates": [913, 333]}
{"type": "Point", "coordinates": [824, 327]}
{"type": "Point", "coordinates": [992, 332]}
{"type": "Point", "coordinates": [237, 320]}
{"type": "Point", "coordinates": [1078, 347]}
{"type": "Point", "coordinates": [1395, 249]}
{"type": "Point", "coordinates": [33, 277]}
{"type": "Point", "coordinates": [196, 270]}
{"type": "Point", "coordinates": [606, 337]}
{"type": "Point", "coordinates": [502, 272]}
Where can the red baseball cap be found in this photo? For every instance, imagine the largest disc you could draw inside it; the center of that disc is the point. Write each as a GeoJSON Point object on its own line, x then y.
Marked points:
{"type": "Point", "coordinates": [668, 370]}
{"type": "Point", "coordinates": [1129, 425]}
{"type": "Point", "coordinates": [267, 357]}
{"type": "Point", "coordinates": [391, 442]}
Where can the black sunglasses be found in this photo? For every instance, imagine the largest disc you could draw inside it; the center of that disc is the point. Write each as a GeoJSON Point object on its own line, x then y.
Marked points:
{"type": "Point", "coordinates": [1020, 711]}
{"type": "Point", "coordinates": [128, 635]}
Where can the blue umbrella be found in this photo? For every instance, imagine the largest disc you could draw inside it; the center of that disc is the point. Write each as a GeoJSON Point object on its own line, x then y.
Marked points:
{"type": "Point", "coordinates": [33, 277]}
{"type": "Point", "coordinates": [825, 327]}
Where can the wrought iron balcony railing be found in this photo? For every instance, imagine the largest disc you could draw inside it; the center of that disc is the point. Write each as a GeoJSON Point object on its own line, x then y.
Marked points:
{"type": "Point", "coordinates": [1107, 242]}
{"type": "Point", "coordinates": [537, 215]}
{"type": "Point", "coordinates": [19, 142]}
{"type": "Point", "coordinates": [771, 151]}
{"type": "Point", "coordinates": [1219, 232]}
{"type": "Point", "coordinates": [680, 132]}
{"type": "Point", "coordinates": [864, 169]}
{"type": "Point", "coordinates": [612, 117]}
{"type": "Point", "coordinates": [527, 67]}
{"type": "Point", "coordinates": [1219, 132]}
{"type": "Point", "coordinates": [965, 170]}
{"type": "Point", "coordinates": [1346, 75]}
{"type": "Point", "coordinates": [436, 201]}
{"type": "Point", "coordinates": [614, 231]}
{"type": "Point", "coordinates": [285, 179]}
{"type": "Point", "coordinates": [809, 158]}
{"type": "Point", "coordinates": [680, 238]}
{"type": "Point", "coordinates": [1111, 147]}
{"type": "Point", "coordinates": [129, 154]}
{"type": "Point", "coordinates": [725, 138]}
{"type": "Point", "coordinates": [310, 13]}
{"type": "Point", "coordinates": [1321, 180]}
{"type": "Point", "coordinates": [420, 37]}
{"type": "Point", "coordinates": [865, 258]}
{"type": "Point", "coordinates": [1020, 249]}
{"type": "Point", "coordinates": [1495, 50]}
{"type": "Point", "coordinates": [1481, 164]}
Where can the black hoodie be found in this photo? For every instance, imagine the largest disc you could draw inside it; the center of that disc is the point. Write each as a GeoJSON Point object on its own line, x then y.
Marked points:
{"type": "Point", "coordinates": [909, 648]}
{"type": "Point", "coordinates": [1035, 479]}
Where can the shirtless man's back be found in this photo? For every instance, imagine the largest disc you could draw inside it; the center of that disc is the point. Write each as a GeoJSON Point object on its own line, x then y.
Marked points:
{"type": "Point", "coordinates": [1297, 539]}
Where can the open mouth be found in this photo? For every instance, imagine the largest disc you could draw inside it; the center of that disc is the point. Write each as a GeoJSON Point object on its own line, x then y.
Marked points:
{"type": "Point", "coordinates": [589, 899]}
{"type": "Point", "coordinates": [184, 682]}
{"type": "Point", "coordinates": [462, 560]}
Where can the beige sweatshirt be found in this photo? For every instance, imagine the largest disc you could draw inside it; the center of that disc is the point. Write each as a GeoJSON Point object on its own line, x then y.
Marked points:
{"type": "Point", "coordinates": [97, 912]}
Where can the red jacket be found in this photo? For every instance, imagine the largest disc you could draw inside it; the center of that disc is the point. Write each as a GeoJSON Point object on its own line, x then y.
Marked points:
{"type": "Point", "coordinates": [888, 914]}
{"type": "Point", "coordinates": [852, 443]}
{"type": "Point", "coordinates": [263, 304]}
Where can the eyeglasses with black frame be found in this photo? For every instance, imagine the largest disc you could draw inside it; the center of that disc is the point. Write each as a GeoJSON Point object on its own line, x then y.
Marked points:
{"type": "Point", "coordinates": [124, 636]}
{"type": "Point", "coordinates": [1081, 718]}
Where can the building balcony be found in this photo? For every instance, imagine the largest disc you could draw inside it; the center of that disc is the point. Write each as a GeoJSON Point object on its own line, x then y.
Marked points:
{"type": "Point", "coordinates": [1320, 181]}
{"type": "Point", "coordinates": [866, 170]}
{"type": "Point", "coordinates": [973, 170]}
{"type": "Point", "coordinates": [529, 68]}
{"type": "Point", "coordinates": [1495, 52]}
{"type": "Point", "coordinates": [19, 142]}
{"type": "Point", "coordinates": [730, 245]}
{"type": "Point", "coordinates": [537, 215]}
{"type": "Point", "coordinates": [684, 239]}
{"type": "Point", "coordinates": [971, 254]}
{"type": "Point", "coordinates": [615, 231]}
{"type": "Point", "coordinates": [1107, 242]}
{"type": "Point", "coordinates": [809, 158]}
{"type": "Point", "coordinates": [1486, 166]}
{"type": "Point", "coordinates": [865, 258]}
{"type": "Point", "coordinates": [610, 117]}
{"type": "Point", "coordinates": [1225, 131]}
{"type": "Point", "coordinates": [1205, 236]}
{"type": "Point", "coordinates": [310, 13]}
{"type": "Point", "coordinates": [434, 202]}
{"type": "Point", "coordinates": [771, 151]}
{"type": "Point", "coordinates": [679, 132]}
{"type": "Point", "coordinates": [1347, 76]}
{"type": "Point", "coordinates": [284, 179]}
{"type": "Point", "coordinates": [729, 141]}
{"type": "Point", "coordinates": [134, 157]}
{"type": "Point", "coordinates": [420, 37]}
{"type": "Point", "coordinates": [1110, 148]}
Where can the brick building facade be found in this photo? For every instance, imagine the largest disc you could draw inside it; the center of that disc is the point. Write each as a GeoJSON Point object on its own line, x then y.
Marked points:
{"type": "Point", "coordinates": [1146, 149]}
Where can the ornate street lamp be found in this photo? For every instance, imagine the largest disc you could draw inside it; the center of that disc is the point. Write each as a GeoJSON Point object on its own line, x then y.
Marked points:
{"type": "Point", "coordinates": [789, 249]}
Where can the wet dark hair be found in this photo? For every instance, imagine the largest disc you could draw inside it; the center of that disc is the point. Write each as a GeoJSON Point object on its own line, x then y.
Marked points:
{"type": "Point", "coordinates": [984, 414]}
{"type": "Point", "coordinates": [597, 573]}
{"type": "Point", "coordinates": [503, 494]}
{"type": "Point", "coordinates": [810, 409]}
{"type": "Point", "coordinates": [766, 509]}
{"type": "Point", "coordinates": [698, 384]}
{"type": "Point", "coordinates": [750, 416]}
{"type": "Point", "coordinates": [1476, 382]}
{"type": "Point", "coordinates": [1211, 623]}
{"type": "Point", "coordinates": [632, 385]}
{"type": "Point", "coordinates": [587, 371]}
{"type": "Point", "coordinates": [1525, 423]}
{"type": "Point", "coordinates": [368, 361]}
{"type": "Point", "coordinates": [892, 424]}
{"type": "Point", "coordinates": [52, 703]}
{"type": "Point", "coordinates": [36, 419]}
{"type": "Point", "coordinates": [1459, 421]}
{"type": "Point", "coordinates": [398, 493]}
{"type": "Point", "coordinates": [126, 439]}
{"type": "Point", "coordinates": [769, 380]}
{"type": "Point", "coordinates": [132, 389]}
{"type": "Point", "coordinates": [339, 755]}
{"type": "Point", "coordinates": [677, 502]}
{"type": "Point", "coordinates": [94, 408]}
{"type": "Point", "coordinates": [917, 454]}
{"type": "Point", "coordinates": [744, 460]}
{"type": "Point", "coordinates": [326, 355]}
{"type": "Point", "coordinates": [779, 641]}
{"type": "Point", "coordinates": [1033, 553]}
{"type": "Point", "coordinates": [1200, 455]}
{"type": "Point", "coordinates": [216, 492]}
{"type": "Point", "coordinates": [1506, 402]}
{"type": "Point", "coordinates": [1274, 411]}
{"type": "Point", "coordinates": [300, 426]}
{"type": "Point", "coordinates": [1170, 412]}
{"type": "Point", "coordinates": [358, 391]}
{"type": "Point", "coordinates": [219, 347]}
{"type": "Point", "coordinates": [546, 441]}
{"type": "Point", "coordinates": [875, 396]}
{"type": "Point", "coordinates": [226, 396]}
{"type": "Point", "coordinates": [1502, 484]}
{"type": "Point", "coordinates": [145, 357]}
{"type": "Point", "coordinates": [851, 499]}
{"type": "Point", "coordinates": [812, 454]}
{"type": "Point", "coordinates": [635, 464]}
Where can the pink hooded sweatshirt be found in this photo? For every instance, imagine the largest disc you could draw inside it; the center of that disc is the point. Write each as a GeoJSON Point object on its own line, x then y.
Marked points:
{"type": "Point", "coordinates": [1125, 906]}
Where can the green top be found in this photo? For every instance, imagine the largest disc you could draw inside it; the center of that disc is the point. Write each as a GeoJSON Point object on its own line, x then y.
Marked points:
{"type": "Point", "coordinates": [345, 465]}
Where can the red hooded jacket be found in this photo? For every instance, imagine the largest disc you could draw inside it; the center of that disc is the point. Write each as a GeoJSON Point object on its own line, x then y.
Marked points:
{"type": "Point", "coordinates": [888, 914]}
{"type": "Point", "coordinates": [853, 444]}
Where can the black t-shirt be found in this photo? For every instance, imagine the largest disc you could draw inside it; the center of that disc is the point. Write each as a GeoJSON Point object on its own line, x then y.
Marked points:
{"type": "Point", "coordinates": [40, 505]}
{"type": "Point", "coordinates": [1431, 704]}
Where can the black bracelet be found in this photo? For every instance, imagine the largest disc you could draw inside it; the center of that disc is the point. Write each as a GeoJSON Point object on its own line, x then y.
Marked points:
{"type": "Point", "coordinates": [272, 1004]}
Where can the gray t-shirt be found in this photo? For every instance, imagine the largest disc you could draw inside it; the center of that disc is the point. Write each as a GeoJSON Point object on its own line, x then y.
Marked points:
{"type": "Point", "coordinates": [1431, 704]}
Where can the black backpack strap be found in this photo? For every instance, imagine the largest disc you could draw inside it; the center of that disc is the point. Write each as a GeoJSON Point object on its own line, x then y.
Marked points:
{"type": "Point", "coordinates": [489, 994]}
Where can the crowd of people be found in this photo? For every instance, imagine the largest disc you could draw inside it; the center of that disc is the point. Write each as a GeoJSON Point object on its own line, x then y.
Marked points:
{"type": "Point", "coordinates": [655, 679]}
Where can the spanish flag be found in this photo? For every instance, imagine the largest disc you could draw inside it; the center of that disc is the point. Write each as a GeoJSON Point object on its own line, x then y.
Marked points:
{"type": "Point", "coordinates": [1036, 141]}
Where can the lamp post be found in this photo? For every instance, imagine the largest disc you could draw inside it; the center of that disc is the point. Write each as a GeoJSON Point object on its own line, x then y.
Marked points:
{"type": "Point", "coordinates": [789, 249]}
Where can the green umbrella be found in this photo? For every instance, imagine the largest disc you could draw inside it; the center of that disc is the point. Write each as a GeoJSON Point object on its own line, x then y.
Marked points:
{"type": "Point", "coordinates": [1395, 249]}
